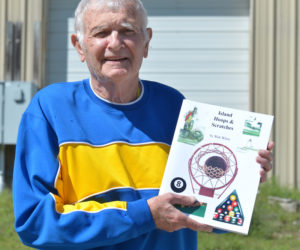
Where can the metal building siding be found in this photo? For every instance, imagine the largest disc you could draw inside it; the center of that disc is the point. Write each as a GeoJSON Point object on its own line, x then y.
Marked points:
{"type": "Point", "coordinates": [207, 58]}
{"type": "Point", "coordinates": [3, 5]}
{"type": "Point", "coordinates": [58, 41]}
{"type": "Point", "coordinates": [276, 81]}
{"type": "Point", "coordinates": [198, 47]}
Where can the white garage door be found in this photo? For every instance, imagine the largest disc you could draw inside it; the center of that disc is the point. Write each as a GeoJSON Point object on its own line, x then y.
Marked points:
{"type": "Point", "coordinates": [198, 47]}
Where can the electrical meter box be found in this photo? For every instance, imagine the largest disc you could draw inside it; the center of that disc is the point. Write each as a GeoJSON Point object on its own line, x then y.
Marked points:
{"type": "Point", "coordinates": [17, 96]}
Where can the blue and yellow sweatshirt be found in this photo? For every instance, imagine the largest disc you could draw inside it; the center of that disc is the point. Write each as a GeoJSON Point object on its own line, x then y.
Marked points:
{"type": "Point", "coordinates": [84, 169]}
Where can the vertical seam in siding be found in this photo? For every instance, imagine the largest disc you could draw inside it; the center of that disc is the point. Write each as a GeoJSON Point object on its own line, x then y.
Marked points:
{"type": "Point", "coordinates": [252, 53]}
{"type": "Point", "coordinates": [274, 73]}
{"type": "Point", "coordinates": [296, 93]}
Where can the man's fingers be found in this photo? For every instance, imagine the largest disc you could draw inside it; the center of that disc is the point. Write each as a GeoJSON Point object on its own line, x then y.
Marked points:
{"type": "Point", "coordinates": [265, 157]}
{"type": "Point", "coordinates": [181, 220]}
{"type": "Point", "coordinates": [265, 154]}
{"type": "Point", "coordinates": [265, 163]}
{"type": "Point", "coordinates": [270, 145]}
{"type": "Point", "coordinates": [263, 175]}
{"type": "Point", "coordinates": [196, 226]}
{"type": "Point", "coordinates": [183, 200]}
{"type": "Point", "coordinates": [168, 218]}
{"type": "Point", "coordinates": [184, 220]}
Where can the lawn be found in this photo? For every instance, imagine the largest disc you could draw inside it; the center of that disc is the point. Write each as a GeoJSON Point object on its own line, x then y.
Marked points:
{"type": "Point", "coordinates": [8, 238]}
{"type": "Point", "coordinates": [272, 227]}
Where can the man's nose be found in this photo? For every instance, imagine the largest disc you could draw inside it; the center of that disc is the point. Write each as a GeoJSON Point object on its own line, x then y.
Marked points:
{"type": "Point", "coordinates": [115, 40]}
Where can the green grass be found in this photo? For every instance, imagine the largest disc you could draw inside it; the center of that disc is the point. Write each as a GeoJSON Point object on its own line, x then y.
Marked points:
{"type": "Point", "coordinates": [8, 238]}
{"type": "Point", "coordinates": [271, 226]}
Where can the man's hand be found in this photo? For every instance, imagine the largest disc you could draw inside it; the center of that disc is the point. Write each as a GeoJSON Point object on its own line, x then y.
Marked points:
{"type": "Point", "coordinates": [265, 158]}
{"type": "Point", "coordinates": [168, 218]}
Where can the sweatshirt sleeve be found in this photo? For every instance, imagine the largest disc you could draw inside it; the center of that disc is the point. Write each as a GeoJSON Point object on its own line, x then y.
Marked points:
{"type": "Point", "coordinates": [38, 219]}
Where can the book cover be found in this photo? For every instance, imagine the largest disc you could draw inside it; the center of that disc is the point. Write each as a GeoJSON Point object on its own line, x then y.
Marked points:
{"type": "Point", "coordinates": [213, 158]}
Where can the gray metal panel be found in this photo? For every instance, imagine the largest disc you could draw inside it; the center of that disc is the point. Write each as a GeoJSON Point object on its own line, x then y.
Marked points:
{"type": "Point", "coordinates": [197, 7]}
{"type": "Point", "coordinates": [242, 5]}
{"type": "Point", "coordinates": [17, 98]}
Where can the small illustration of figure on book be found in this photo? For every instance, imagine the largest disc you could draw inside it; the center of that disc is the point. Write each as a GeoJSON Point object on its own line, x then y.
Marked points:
{"type": "Point", "coordinates": [188, 134]}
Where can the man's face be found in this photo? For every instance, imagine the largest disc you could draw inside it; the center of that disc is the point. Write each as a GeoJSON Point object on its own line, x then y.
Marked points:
{"type": "Point", "coordinates": [114, 44]}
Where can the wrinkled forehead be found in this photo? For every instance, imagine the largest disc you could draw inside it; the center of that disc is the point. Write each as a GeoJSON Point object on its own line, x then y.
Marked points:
{"type": "Point", "coordinates": [97, 12]}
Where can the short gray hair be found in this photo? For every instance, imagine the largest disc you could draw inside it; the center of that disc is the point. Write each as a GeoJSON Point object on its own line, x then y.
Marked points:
{"type": "Point", "coordinates": [84, 5]}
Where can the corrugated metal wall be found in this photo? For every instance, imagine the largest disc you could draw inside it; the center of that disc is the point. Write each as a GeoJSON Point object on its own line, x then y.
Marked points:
{"type": "Point", "coordinates": [276, 76]}
{"type": "Point", "coordinates": [28, 13]}
{"type": "Point", "coordinates": [2, 37]}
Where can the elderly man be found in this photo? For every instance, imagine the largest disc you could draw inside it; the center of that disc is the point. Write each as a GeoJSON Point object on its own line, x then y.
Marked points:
{"type": "Point", "coordinates": [91, 154]}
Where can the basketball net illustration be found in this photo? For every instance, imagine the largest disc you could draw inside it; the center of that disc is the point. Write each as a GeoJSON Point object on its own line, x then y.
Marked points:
{"type": "Point", "coordinates": [212, 167]}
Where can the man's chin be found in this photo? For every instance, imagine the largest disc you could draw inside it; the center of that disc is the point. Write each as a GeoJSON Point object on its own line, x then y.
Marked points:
{"type": "Point", "coordinates": [116, 75]}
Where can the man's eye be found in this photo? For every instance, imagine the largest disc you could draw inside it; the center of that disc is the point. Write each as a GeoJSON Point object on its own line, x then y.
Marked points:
{"type": "Point", "coordinates": [102, 34]}
{"type": "Point", "coordinates": [129, 32]}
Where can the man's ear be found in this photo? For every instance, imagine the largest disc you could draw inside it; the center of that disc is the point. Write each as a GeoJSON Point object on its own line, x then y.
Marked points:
{"type": "Point", "coordinates": [78, 47]}
{"type": "Point", "coordinates": [149, 31]}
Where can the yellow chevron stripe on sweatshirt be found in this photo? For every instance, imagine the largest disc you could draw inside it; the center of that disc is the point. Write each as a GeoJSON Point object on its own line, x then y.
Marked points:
{"type": "Point", "coordinates": [87, 170]}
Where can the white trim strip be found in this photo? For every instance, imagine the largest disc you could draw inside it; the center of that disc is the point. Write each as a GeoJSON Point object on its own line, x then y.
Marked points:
{"type": "Point", "coordinates": [114, 142]}
{"type": "Point", "coordinates": [57, 174]}
{"type": "Point", "coordinates": [117, 103]}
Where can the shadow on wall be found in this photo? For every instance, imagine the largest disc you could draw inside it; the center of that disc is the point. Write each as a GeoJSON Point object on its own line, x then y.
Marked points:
{"type": "Point", "coordinates": [191, 7]}
{"type": "Point", "coordinates": [9, 152]}
{"type": "Point", "coordinates": [58, 41]}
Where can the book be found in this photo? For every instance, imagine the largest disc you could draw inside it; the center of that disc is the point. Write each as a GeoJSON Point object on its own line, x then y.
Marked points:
{"type": "Point", "coordinates": [213, 158]}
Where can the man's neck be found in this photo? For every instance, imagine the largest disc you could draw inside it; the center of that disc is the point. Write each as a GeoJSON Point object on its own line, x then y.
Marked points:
{"type": "Point", "coordinates": [117, 92]}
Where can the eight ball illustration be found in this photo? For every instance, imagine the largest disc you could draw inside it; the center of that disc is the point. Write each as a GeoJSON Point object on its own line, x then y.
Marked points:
{"type": "Point", "coordinates": [178, 185]}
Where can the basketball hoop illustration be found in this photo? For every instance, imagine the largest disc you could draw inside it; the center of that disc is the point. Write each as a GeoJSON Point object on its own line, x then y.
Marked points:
{"type": "Point", "coordinates": [212, 167]}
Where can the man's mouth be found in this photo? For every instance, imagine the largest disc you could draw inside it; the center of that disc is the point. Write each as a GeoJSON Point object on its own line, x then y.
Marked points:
{"type": "Point", "coordinates": [119, 59]}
